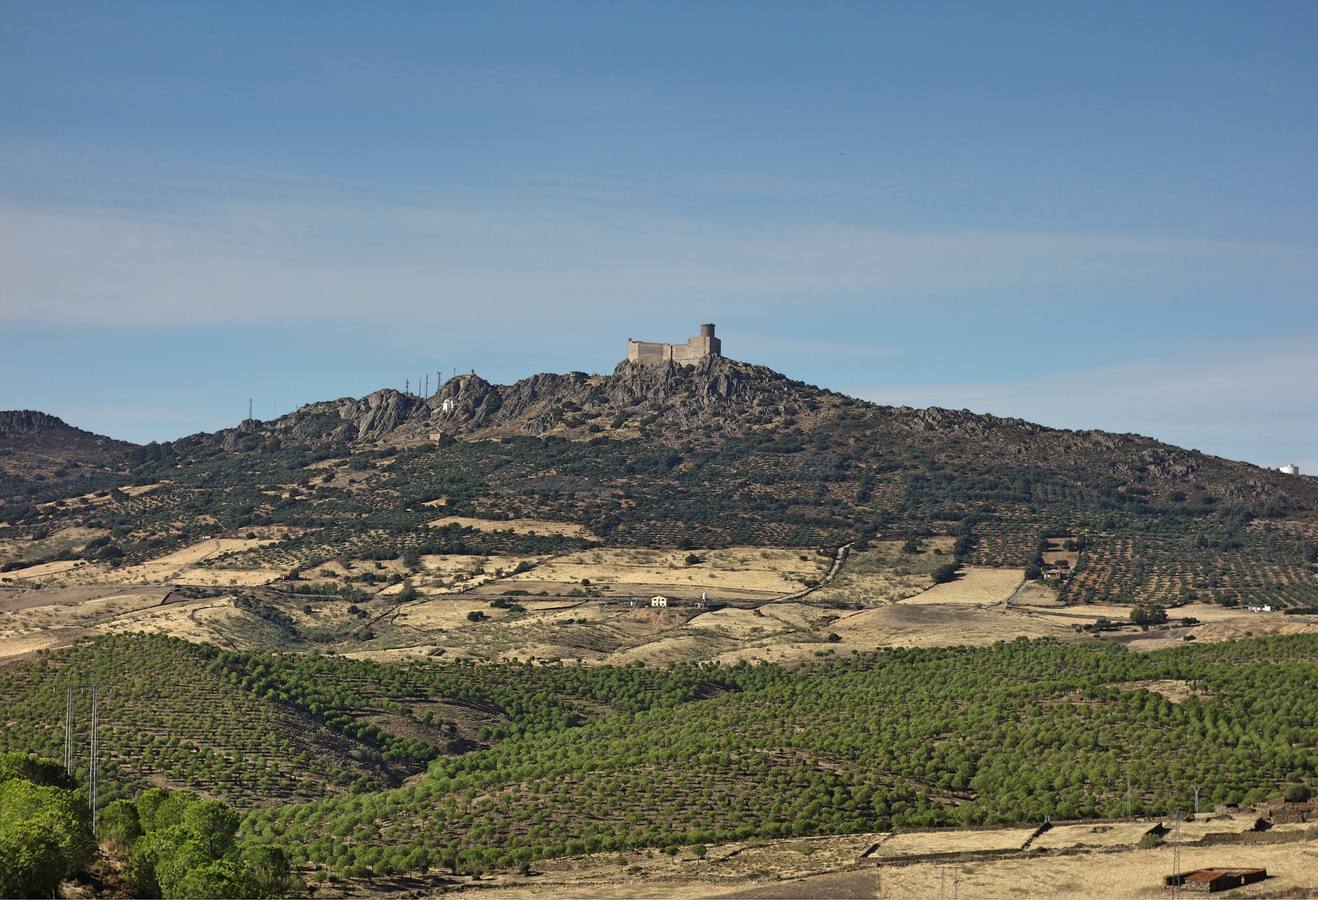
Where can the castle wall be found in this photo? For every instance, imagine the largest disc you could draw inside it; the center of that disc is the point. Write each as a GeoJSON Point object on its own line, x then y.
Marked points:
{"type": "Point", "coordinates": [684, 354]}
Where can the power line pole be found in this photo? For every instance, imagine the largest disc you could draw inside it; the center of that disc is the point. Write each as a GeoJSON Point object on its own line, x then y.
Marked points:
{"type": "Point", "coordinates": [68, 731]}
{"type": "Point", "coordinates": [249, 409]}
{"type": "Point", "coordinates": [1128, 814]}
{"type": "Point", "coordinates": [93, 773]}
{"type": "Point", "coordinates": [1196, 801]}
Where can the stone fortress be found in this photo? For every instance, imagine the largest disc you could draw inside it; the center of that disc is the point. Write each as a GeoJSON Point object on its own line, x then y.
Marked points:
{"type": "Point", "coordinates": [686, 354]}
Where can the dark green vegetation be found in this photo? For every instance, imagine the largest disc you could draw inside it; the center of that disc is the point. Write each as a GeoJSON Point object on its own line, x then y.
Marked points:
{"type": "Point", "coordinates": [904, 739]}
{"type": "Point", "coordinates": [717, 455]}
{"type": "Point", "coordinates": [178, 845]}
{"type": "Point", "coordinates": [45, 827]}
{"type": "Point", "coordinates": [172, 843]}
{"type": "Point", "coordinates": [269, 728]}
{"type": "Point", "coordinates": [566, 759]}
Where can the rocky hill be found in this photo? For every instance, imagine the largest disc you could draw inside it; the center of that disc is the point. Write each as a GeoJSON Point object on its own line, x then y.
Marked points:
{"type": "Point", "coordinates": [718, 454]}
{"type": "Point", "coordinates": [719, 399]}
{"type": "Point", "coordinates": [34, 444]}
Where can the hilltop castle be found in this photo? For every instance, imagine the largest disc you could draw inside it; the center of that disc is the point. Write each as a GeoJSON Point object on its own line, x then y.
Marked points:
{"type": "Point", "coordinates": [686, 354]}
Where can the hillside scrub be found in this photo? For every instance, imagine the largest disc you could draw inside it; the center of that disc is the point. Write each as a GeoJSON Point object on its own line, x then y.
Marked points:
{"type": "Point", "coordinates": [898, 739]}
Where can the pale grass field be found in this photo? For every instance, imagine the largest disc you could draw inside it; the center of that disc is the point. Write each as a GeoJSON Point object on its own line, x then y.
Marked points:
{"type": "Point", "coordinates": [228, 577]}
{"type": "Point", "coordinates": [940, 625]}
{"type": "Point", "coordinates": [738, 624]}
{"type": "Point", "coordinates": [796, 615]}
{"type": "Point", "coordinates": [1036, 593]}
{"type": "Point", "coordinates": [884, 573]}
{"type": "Point", "coordinates": [443, 613]}
{"type": "Point", "coordinates": [517, 526]}
{"type": "Point", "coordinates": [43, 619]}
{"type": "Point", "coordinates": [721, 572]}
{"type": "Point", "coordinates": [210, 621]}
{"type": "Point", "coordinates": [915, 843]}
{"type": "Point", "coordinates": [180, 565]}
{"type": "Point", "coordinates": [831, 866]}
{"type": "Point", "coordinates": [974, 586]}
{"type": "Point", "coordinates": [73, 537]}
{"type": "Point", "coordinates": [44, 570]}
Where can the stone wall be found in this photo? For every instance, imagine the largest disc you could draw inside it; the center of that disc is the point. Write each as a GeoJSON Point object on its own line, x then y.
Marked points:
{"type": "Point", "coordinates": [685, 354]}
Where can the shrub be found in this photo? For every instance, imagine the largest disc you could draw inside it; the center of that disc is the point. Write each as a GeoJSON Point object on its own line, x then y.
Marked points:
{"type": "Point", "coordinates": [944, 573]}
{"type": "Point", "coordinates": [119, 826]}
{"type": "Point", "coordinates": [1297, 793]}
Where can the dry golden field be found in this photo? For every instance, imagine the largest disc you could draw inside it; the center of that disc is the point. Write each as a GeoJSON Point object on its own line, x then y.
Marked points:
{"type": "Point", "coordinates": [1099, 859]}
{"type": "Point", "coordinates": [517, 526]}
{"type": "Point", "coordinates": [974, 586]}
{"type": "Point", "coordinates": [726, 573]}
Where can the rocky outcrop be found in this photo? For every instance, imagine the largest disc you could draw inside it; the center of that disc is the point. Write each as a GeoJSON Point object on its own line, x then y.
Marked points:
{"type": "Point", "coordinates": [30, 421]}
{"type": "Point", "coordinates": [717, 398]}
{"type": "Point", "coordinates": [37, 442]}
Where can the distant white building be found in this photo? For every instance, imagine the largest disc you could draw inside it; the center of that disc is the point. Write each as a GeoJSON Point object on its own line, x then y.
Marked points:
{"type": "Point", "coordinates": [1264, 607]}
{"type": "Point", "coordinates": [658, 601]}
{"type": "Point", "coordinates": [1289, 469]}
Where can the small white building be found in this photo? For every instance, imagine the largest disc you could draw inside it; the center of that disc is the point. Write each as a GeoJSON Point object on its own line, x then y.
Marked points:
{"type": "Point", "coordinates": [658, 602]}
{"type": "Point", "coordinates": [1263, 607]}
{"type": "Point", "coordinates": [1289, 469]}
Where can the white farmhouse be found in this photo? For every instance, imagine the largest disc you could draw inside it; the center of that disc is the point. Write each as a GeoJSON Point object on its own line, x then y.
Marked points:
{"type": "Point", "coordinates": [658, 601]}
{"type": "Point", "coordinates": [1289, 469]}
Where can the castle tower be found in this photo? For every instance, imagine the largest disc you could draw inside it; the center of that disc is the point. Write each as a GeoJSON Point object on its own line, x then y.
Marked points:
{"type": "Point", "coordinates": [696, 348]}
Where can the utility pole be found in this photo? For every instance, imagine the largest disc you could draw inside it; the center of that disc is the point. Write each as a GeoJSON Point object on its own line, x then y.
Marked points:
{"type": "Point", "coordinates": [68, 731]}
{"type": "Point", "coordinates": [439, 379]}
{"type": "Point", "coordinates": [1196, 801]}
{"type": "Point", "coordinates": [407, 385]}
{"type": "Point", "coordinates": [1128, 815]}
{"type": "Point", "coordinates": [249, 409]}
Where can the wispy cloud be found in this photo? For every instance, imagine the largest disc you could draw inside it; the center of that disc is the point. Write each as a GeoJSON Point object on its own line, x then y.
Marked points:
{"type": "Point", "coordinates": [1251, 398]}
{"type": "Point", "coordinates": [465, 261]}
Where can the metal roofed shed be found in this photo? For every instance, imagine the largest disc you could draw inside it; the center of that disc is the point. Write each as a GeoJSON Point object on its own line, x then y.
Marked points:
{"type": "Point", "coordinates": [1212, 880]}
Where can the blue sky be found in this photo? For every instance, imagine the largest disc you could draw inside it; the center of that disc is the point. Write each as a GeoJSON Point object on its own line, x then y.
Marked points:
{"type": "Point", "coordinates": [1089, 215]}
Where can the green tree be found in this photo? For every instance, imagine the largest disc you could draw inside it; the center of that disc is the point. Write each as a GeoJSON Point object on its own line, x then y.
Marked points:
{"type": "Point", "coordinates": [269, 868]}
{"type": "Point", "coordinates": [119, 826]}
{"type": "Point", "coordinates": [45, 834]}
{"type": "Point", "coordinates": [213, 824]}
{"type": "Point", "coordinates": [944, 573]}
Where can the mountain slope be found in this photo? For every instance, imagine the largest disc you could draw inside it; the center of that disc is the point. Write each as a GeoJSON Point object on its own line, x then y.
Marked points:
{"type": "Point", "coordinates": [718, 454]}
{"type": "Point", "coordinates": [41, 455]}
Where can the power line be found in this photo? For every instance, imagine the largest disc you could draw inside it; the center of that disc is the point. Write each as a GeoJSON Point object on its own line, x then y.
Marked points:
{"type": "Point", "coordinates": [93, 774]}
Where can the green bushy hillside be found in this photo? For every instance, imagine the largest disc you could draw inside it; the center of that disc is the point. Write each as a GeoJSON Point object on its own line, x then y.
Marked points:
{"type": "Point", "coordinates": [898, 739]}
